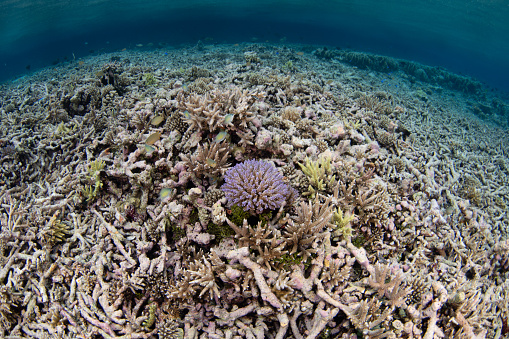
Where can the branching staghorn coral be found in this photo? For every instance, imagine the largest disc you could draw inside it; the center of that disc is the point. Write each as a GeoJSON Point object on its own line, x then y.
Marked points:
{"type": "Point", "coordinates": [94, 175]}
{"type": "Point", "coordinates": [264, 238]}
{"type": "Point", "coordinates": [381, 281]}
{"type": "Point", "coordinates": [370, 318]}
{"type": "Point", "coordinates": [278, 289]}
{"type": "Point", "coordinates": [202, 275]}
{"type": "Point", "coordinates": [319, 174]}
{"type": "Point", "coordinates": [9, 306]}
{"type": "Point", "coordinates": [54, 230]}
{"type": "Point", "coordinates": [309, 224]}
{"type": "Point", "coordinates": [342, 223]}
{"type": "Point", "coordinates": [209, 159]}
{"type": "Point", "coordinates": [373, 104]}
{"type": "Point", "coordinates": [291, 113]}
{"type": "Point", "coordinates": [368, 197]}
{"type": "Point", "coordinates": [218, 109]}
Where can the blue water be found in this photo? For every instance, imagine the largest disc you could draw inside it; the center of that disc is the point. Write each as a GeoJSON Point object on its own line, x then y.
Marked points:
{"type": "Point", "coordinates": [467, 37]}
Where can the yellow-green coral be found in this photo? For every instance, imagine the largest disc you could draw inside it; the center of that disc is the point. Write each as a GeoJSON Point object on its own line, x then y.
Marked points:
{"type": "Point", "coordinates": [95, 167]}
{"type": "Point", "coordinates": [352, 125]}
{"type": "Point", "coordinates": [288, 66]}
{"type": "Point", "coordinates": [55, 231]}
{"type": "Point", "coordinates": [62, 130]}
{"type": "Point", "coordinates": [94, 171]}
{"type": "Point", "coordinates": [342, 223]}
{"type": "Point", "coordinates": [91, 192]}
{"type": "Point", "coordinates": [149, 322]}
{"type": "Point", "coordinates": [319, 174]}
{"type": "Point", "coordinates": [150, 79]}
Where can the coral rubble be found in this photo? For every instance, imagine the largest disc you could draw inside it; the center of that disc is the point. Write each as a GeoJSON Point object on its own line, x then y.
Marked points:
{"type": "Point", "coordinates": [252, 191]}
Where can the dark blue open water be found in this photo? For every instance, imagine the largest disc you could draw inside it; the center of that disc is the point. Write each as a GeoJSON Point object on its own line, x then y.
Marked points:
{"type": "Point", "coordinates": [465, 36]}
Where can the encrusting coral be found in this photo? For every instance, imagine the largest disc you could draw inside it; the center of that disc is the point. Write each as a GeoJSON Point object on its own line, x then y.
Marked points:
{"type": "Point", "coordinates": [244, 199]}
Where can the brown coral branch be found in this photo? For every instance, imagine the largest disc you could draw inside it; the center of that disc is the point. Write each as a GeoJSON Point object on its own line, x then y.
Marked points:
{"type": "Point", "coordinates": [228, 318]}
{"type": "Point", "coordinates": [326, 297]}
{"type": "Point", "coordinates": [242, 255]}
{"type": "Point", "coordinates": [469, 332]}
{"type": "Point", "coordinates": [209, 159]}
{"type": "Point", "coordinates": [321, 317]}
{"type": "Point", "coordinates": [116, 237]}
{"type": "Point", "coordinates": [283, 322]}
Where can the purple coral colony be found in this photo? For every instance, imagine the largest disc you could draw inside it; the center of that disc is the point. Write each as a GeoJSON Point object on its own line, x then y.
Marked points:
{"type": "Point", "coordinates": [252, 191]}
{"type": "Point", "coordinates": [256, 186]}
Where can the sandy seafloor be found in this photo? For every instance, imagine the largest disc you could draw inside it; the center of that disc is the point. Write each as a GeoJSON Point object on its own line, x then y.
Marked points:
{"type": "Point", "coordinates": [114, 223]}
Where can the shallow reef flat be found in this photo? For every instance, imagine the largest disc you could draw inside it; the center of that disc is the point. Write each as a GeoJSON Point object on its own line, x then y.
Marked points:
{"type": "Point", "coordinates": [252, 191]}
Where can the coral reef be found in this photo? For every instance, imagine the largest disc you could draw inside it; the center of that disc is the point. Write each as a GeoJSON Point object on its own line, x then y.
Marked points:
{"type": "Point", "coordinates": [428, 74]}
{"type": "Point", "coordinates": [252, 191]}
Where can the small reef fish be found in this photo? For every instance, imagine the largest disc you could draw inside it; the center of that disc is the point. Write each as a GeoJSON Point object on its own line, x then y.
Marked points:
{"type": "Point", "coordinates": [221, 136]}
{"type": "Point", "coordinates": [212, 163]}
{"type": "Point", "coordinates": [157, 120]}
{"type": "Point", "coordinates": [165, 193]}
{"type": "Point", "coordinates": [228, 119]}
{"type": "Point", "coordinates": [149, 149]}
{"type": "Point", "coordinates": [187, 115]}
{"type": "Point", "coordinates": [153, 138]}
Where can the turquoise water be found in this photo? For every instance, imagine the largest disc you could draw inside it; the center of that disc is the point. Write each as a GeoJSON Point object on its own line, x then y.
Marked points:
{"type": "Point", "coordinates": [467, 37]}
